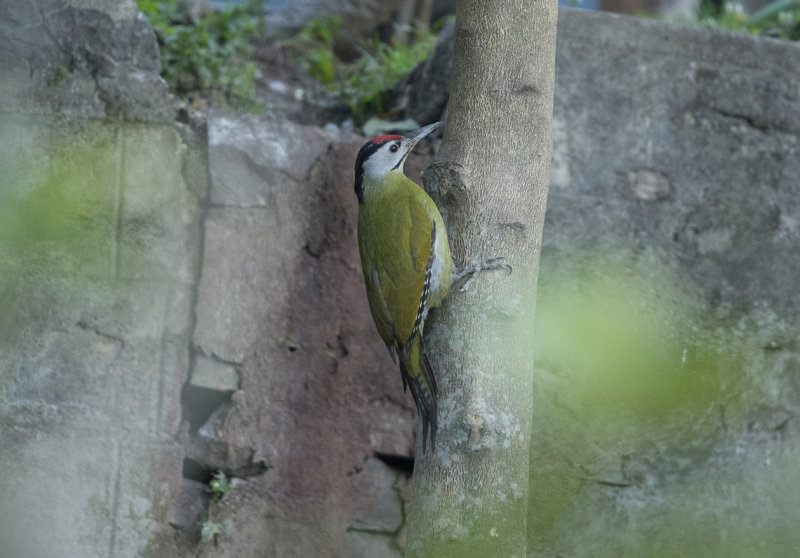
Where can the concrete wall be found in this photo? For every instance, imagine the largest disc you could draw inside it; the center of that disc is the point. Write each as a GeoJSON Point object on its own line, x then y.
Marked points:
{"type": "Point", "coordinates": [671, 238]}
{"type": "Point", "coordinates": [99, 213]}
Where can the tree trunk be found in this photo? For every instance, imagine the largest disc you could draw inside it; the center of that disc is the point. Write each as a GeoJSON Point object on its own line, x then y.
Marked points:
{"type": "Point", "coordinates": [490, 180]}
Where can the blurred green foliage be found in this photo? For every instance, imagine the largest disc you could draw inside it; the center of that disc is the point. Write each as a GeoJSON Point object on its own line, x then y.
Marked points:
{"type": "Point", "coordinates": [313, 48]}
{"type": "Point", "coordinates": [641, 396]}
{"type": "Point", "coordinates": [212, 54]}
{"type": "Point", "coordinates": [378, 69]}
{"type": "Point", "coordinates": [632, 345]}
{"type": "Point", "coordinates": [58, 215]}
{"type": "Point", "coordinates": [778, 19]}
{"type": "Point", "coordinates": [85, 213]}
{"type": "Point", "coordinates": [360, 84]}
{"type": "Point", "coordinates": [57, 229]}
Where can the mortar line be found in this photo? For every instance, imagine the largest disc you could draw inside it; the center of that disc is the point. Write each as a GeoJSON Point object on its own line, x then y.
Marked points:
{"type": "Point", "coordinates": [118, 204]}
{"type": "Point", "coordinates": [158, 427]}
{"type": "Point", "coordinates": [115, 498]}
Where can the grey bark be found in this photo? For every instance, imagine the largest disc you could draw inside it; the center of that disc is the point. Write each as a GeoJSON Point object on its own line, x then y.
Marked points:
{"type": "Point", "coordinates": [490, 179]}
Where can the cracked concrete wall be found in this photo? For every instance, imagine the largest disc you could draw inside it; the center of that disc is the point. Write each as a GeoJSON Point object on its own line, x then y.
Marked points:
{"type": "Point", "coordinates": [99, 215]}
{"type": "Point", "coordinates": [676, 179]}
{"type": "Point", "coordinates": [95, 332]}
{"type": "Point", "coordinates": [80, 59]}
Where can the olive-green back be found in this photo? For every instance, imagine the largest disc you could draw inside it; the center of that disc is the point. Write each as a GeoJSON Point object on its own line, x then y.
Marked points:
{"type": "Point", "coordinates": [394, 240]}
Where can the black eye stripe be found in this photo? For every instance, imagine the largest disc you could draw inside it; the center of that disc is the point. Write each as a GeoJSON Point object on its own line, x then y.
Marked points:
{"type": "Point", "coordinates": [367, 150]}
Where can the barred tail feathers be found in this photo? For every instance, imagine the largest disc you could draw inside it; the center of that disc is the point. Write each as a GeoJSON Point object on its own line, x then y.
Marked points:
{"type": "Point", "coordinates": [418, 374]}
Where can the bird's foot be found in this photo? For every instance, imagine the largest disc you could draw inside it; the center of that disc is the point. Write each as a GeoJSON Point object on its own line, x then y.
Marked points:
{"type": "Point", "coordinates": [463, 278]}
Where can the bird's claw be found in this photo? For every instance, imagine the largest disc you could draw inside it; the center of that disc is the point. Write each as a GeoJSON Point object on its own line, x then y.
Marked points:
{"type": "Point", "coordinates": [468, 273]}
{"type": "Point", "coordinates": [497, 263]}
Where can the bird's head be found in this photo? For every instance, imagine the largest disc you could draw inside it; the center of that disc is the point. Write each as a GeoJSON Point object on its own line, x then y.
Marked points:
{"type": "Point", "coordinates": [384, 154]}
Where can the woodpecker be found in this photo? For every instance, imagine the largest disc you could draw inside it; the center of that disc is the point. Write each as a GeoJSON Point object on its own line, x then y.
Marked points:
{"type": "Point", "coordinates": [405, 257]}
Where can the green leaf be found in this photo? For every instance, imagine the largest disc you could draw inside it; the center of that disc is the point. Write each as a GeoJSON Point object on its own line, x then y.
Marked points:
{"type": "Point", "coordinates": [773, 9]}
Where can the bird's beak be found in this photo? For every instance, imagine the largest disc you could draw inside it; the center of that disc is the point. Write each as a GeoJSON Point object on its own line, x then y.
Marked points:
{"type": "Point", "coordinates": [413, 137]}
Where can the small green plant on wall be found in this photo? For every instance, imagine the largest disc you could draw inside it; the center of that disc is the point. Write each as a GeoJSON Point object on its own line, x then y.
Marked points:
{"type": "Point", "coordinates": [218, 487]}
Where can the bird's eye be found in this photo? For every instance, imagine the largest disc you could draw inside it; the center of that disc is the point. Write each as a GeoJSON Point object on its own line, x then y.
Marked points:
{"type": "Point", "coordinates": [394, 147]}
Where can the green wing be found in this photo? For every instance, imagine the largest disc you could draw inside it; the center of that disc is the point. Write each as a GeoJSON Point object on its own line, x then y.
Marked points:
{"type": "Point", "coordinates": [395, 239]}
{"type": "Point", "coordinates": [396, 233]}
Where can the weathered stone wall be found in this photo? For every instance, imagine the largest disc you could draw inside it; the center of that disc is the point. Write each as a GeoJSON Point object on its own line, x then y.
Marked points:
{"type": "Point", "coordinates": [280, 301]}
{"type": "Point", "coordinates": [99, 238]}
{"type": "Point", "coordinates": [676, 163]}
{"type": "Point", "coordinates": [81, 59]}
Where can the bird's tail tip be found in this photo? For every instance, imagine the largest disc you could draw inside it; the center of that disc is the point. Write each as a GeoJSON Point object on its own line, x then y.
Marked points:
{"type": "Point", "coordinates": [418, 375]}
